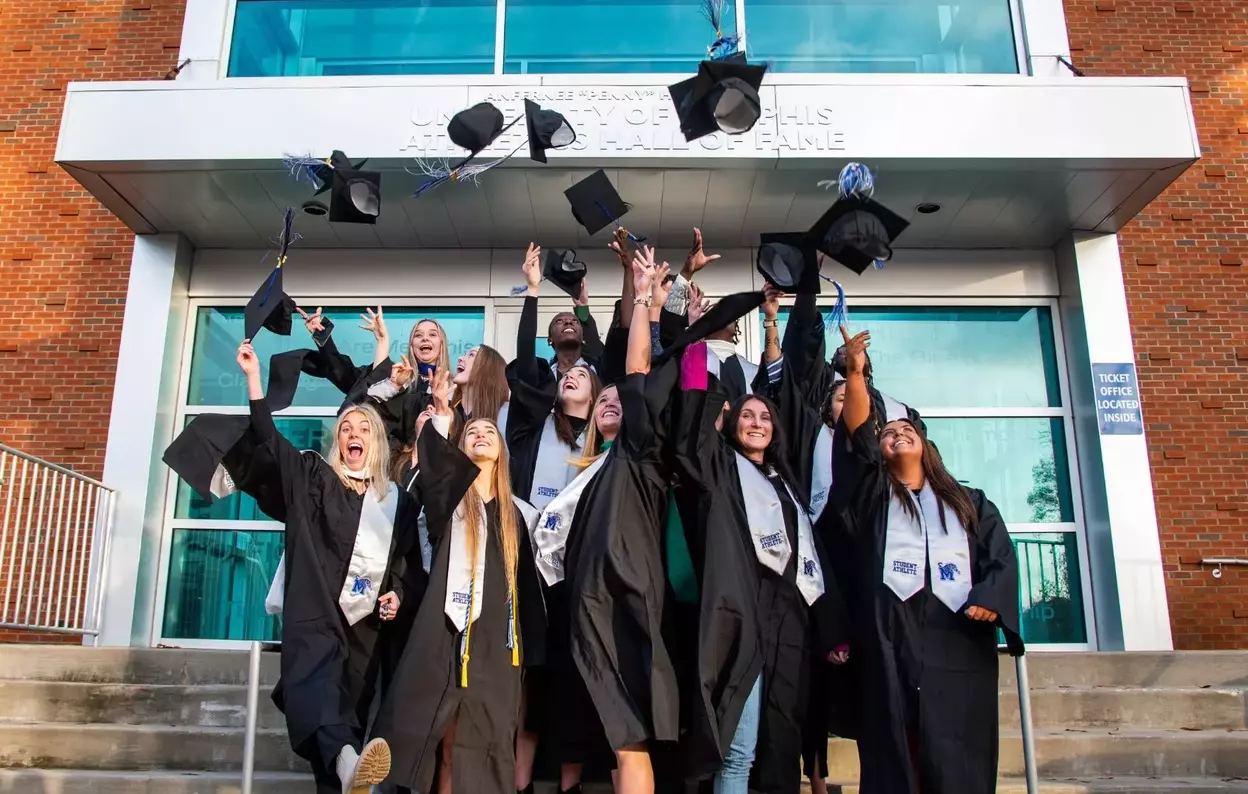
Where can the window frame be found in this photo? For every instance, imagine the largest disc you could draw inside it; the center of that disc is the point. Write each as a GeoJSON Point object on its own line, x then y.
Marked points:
{"type": "Point", "coordinates": [1022, 58]}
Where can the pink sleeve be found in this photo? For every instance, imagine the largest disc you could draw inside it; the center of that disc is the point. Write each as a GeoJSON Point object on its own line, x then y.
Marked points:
{"type": "Point", "coordinates": [693, 375]}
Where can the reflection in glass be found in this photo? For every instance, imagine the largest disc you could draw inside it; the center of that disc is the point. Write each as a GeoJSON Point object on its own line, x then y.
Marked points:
{"type": "Point", "coordinates": [216, 379]}
{"type": "Point", "coordinates": [914, 37]}
{"type": "Point", "coordinates": [217, 584]}
{"type": "Point", "coordinates": [611, 36]}
{"type": "Point", "coordinates": [287, 38]}
{"type": "Point", "coordinates": [1050, 594]}
{"type": "Point", "coordinates": [964, 357]}
{"type": "Point", "coordinates": [1020, 463]}
{"type": "Point", "coordinates": [312, 433]}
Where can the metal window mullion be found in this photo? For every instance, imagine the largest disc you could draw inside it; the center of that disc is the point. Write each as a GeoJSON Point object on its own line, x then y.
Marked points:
{"type": "Point", "coordinates": [500, 34]}
{"type": "Point", "coordinates": [740, 7]}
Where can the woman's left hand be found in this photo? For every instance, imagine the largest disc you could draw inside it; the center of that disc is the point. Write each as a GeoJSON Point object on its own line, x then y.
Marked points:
{"type": "Point", "coordinates": [643, 270]}
{"type": "Point", "coordinates": [980, 613]}
{"type": "Point", "coordinates": [660, 287]}
{"type": "Point", "coordinates": [440, 390]}
{"type": "Point", "coordinates": [388, 606]}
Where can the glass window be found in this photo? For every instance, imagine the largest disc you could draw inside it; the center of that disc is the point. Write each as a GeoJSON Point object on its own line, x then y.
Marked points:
{"type": "Point", "coordinates": [1019, 463]}
{"type": "Point", "coordinates": [608, 36]}
{"type": "Point", "coordinates": [218, 580]}
{"type": "Point", "coordinates": [216, 379]}
{"type": "Point", "coordinates": [918, 36]}
{"type": "Point", "coordinates": [968, 357]}
{"type": "Point", "coordinates": [310, 434]}
{"type": "Point", "coordinates": [1050, 595]}
{"type": "Point", "coordinates": [288, 38]}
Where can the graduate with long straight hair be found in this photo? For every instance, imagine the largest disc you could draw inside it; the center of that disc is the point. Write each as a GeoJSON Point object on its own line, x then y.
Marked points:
{"type": "Point", "coordinates": [768, 601]}
{"type": "Point", "coordinates": [343, 519]}
{"type": "Point", "coordinates": [937, 579]}
{"type": "Point", "coordinates": [452, 712]}
{"type": "Point", "coordinates": [480, 388]}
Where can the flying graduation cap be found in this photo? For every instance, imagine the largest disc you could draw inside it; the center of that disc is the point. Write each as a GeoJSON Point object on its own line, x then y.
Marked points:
{"type": "Point", "coordinates": [724, 94]}
{"type": "Point", "coordinates": [857, 231]}
{"type": "Point", "coordinates": [354, 194]}
{"type": "Point", "coordinates": [596, 204]}
{"type": "Point", "coordinates": [479, 126]}
{"type": "Point", "coordinates": [564, 270]}
{"type": "Point", "coordinates": [271, 307]}
{"type": "Point", "coordinates": [789, 262]}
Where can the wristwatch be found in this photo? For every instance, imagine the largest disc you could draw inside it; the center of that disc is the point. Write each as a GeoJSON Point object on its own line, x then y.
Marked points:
{"type": "Point", "coordinates": [640, 301]}
{"type": "Point", "coordinates": [771, 323]}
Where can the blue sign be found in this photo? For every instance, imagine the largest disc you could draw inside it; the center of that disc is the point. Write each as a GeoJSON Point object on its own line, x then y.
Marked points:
{"type": "Point", "coordinates": [1117, 400]}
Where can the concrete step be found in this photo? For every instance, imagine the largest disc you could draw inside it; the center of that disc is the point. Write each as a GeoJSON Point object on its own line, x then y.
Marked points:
{"type": "Point", "coordinates": [1098, 753]}
{"type": "Point", "coordinates": [1166, 669]}
{"type": "Point", "coordinates": [94, 781]}
{"type": "Point", "coordinates": [224, 706]}
{"type": "Point", "coordinates": [141, 747]}
{"type": "Point", "coordinates": [1125, 785]}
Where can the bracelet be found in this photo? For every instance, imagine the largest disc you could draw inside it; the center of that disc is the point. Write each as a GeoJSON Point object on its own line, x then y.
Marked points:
{"type": "Point", "coordinates": [646, 301]}
{"type": "Point", "coordinates": [771, 323]}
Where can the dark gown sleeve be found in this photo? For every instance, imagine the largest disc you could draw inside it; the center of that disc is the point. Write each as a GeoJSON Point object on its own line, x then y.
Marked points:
{"type": "Point", "coordinates": [611, 367]}
{"type": "Point", "coordinates": [332, 364]}
{"type": "Point", "coordinates": [533, 388]}
{"type": "Point", "coordinates": [996, 572]}
{"type": "Point", "coordinates": [532, 604]}
{"type": "Point", "coordinates": [445, 476]}
{"type": "Point", "coordinates": [592, 349]}
{"type": "Point", "coordinates": [804, 381]}
{"type": "Point", "coordinates": [637, 438]}
{"type": "Point", "coordinates": [857, 469]}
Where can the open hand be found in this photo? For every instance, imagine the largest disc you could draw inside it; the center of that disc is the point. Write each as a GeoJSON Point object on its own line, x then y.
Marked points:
{"type": "Point", "coordinates": [699, 304]}
{"type": "Point", "coordinates": [313, 322]}
{"type": "Point", "coordinates": [246, 358]}
{"type": "Point", "coordinates": [440, 391]}
{"type": "Point", "coordinates": [855, 351]}
{"type": "Point", "coordinates": [375, 324]}
{"type": "Point", "coordinates": [388, 606]}
{"type": "Point", "coordinates": [619, 244]}
{"type": "Point", "coordinates": [697, 258]}
{"type": "Point", "coordinates": [532, 267]}
{"type": "Point", "coordinates": [660, 287]}
{"type": "Point", "coordinates": [643, 270]}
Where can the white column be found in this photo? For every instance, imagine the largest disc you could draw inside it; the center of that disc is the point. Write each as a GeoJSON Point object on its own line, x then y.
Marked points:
{"type": "Point", "coordinates": [205, 33]}
{"type": "Point", "coordinates": [1124, 547]}
{"type": "Point", "coordinates": [1044, 28]}
{"type": "Point", "coordinates": [139, 429]}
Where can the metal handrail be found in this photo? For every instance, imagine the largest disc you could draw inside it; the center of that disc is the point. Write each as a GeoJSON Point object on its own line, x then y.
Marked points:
{"type": "Point", "coordinates": [253, 709]}
{"type": "Point", "coordinates": [1024, 717]}
{"type": "Point", "coordinates": [1218, 562]}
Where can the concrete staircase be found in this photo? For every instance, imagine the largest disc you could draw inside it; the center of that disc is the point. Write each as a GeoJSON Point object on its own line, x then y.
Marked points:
{"type": "Point", "coordinates": [75, 720]}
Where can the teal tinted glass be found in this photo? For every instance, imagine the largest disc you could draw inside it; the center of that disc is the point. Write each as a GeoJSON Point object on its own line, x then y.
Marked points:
{"type": "Point", "coordinates": [608, 36]}
{"type": "Point", "coordinates": [1050, 593]}
{"type": "Point", "coordinates": [218, 580]}
{"type": "Point", "coordinates": [288, 38]}
{"type": "Point", "coordinates": [311, 433]}
{"type": "Point", "coordinates": [1020, 463]}
{"type": "Point", "coordinates": [966, 357]}
{"type": "Point", "coordinates": [914, 37]}
{"type": "Point", "coordinates": [217, 380]}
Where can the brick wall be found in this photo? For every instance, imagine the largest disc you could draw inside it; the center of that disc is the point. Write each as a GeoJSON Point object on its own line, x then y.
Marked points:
{"type": "Point", "coordinates": [64, 259]}
{"type": "Point", "coordinates": [1187, 292]}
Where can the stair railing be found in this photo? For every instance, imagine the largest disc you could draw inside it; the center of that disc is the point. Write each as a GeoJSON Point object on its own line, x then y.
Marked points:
{"type": "Point", "coordinates": [253, 713]}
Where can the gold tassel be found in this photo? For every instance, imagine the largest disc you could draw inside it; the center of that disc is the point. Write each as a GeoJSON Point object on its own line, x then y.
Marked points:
{"type": "Point", "coordinates": [472, 597]}
{"type": "Point", "coordinates": [515, 629]}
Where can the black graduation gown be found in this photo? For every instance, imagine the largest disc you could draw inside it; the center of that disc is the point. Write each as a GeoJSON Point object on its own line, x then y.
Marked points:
{"type": "Point", "coordinates": [923, 670]}
{"type": "Point", "coordinates": [751, 620]}
{"type": "Point", "coordinates": [426, 691]}
{"type": "Point", "coordinates": [615, 584]}
{"type": "Point", "coordinates": [328, 668]}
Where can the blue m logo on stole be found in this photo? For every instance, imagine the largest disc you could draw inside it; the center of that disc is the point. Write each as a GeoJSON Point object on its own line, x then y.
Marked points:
{"type": "Point", "coordinates": [948, 571]}
{"type": "Point", "coordinates": [361, 586]}
{"type": "Point", "coordinates": [552, 521]}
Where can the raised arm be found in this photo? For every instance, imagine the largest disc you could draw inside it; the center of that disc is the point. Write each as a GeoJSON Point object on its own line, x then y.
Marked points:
{"type": "Point", "coordinates": [644, 274]}
{"type": "Point", "coordinates": [619, 245]}
{"type": "Point", "coordinates": [857, 407]}
{"type": "Point", "coordinates": [526, 365]}
{"type": "Point", "coordinates": [446, 473]}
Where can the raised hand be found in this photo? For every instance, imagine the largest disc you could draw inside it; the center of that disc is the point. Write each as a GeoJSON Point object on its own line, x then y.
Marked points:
{"type": "Point", "coordinates": [771, 304]}
{"type": "Point", "coordinates": [619, 244]}
{"type": "Point", "coordinates": [440, 391]}
{"type": "Point", "coordinates": [697, 258]}
{"type": "Point", "coordinates": [313, 322]}
{"type": "Point", "coordinates": [855, 351]}
{"type": "Point", "coordinates": [401, 372]}
{"type": "Point", "coordinates": [660, 287]}
{"type": "Point", "coordinates": [532, 268]}
{"type": "Point", "coordinates": [246, 358]}
{"type": "Point", "coordinates": [643, 270]}
{"type": "Point", "coordinates": [582, 297]}
{"type": "Point", "coordinates": [375, 324]}
{"type": "Point", "coordinates": [699, 304]}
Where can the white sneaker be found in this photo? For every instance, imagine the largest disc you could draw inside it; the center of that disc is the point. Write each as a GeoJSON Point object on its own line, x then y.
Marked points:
{"type": "Point", "coordinates": [361, 771]}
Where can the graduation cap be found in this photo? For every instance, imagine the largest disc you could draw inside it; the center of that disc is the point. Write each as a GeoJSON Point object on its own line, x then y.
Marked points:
{"type": "Point", "coordinates": [479, 126]}
{"type": "Point", "coordinates": [723, 95]}
{"type": "Point", "coordinates": [596, 204]}
{"type": "Point", "coordinates": [271, 307]}
{"type": "Point", "coordinates": [857, 231]}
{"type": "Point", "coordinates": [789, 262]}
{"type": "Point", "coordinates": [564, 270]}
{"type": "Point", "coordinates": [354, 194]}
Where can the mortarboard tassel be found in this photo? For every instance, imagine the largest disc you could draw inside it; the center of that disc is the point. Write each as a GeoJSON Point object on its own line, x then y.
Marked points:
{"type": "Point", "coordinates": [724, 46]}
{"type": "Point", "coordinates": [616, 221]}
{"type": "Point", "coordinates": [306, 168]}
{"type": "Point", "coordinates": [287, 237]}
{"type": "Point", "coordinates": [840, 312]}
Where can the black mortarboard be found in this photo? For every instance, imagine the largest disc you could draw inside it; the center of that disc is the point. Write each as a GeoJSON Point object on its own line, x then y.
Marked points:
{"type": "Point", "coordinates": [271, 307]}
{"type": "Point", "coordinates": [355, 195]}
{"type": "Point", "coordinates": [547, 129]}
{"type": "Point", "coordinates": [476, 128]}
{"type": "Point", "coordinates": [595, 203]}
{"type": "Point", "coordinates": [858, 232]}
{"type": "Point", "coordinates": [725, 312]}
{"type": "Point", "coordinates": [789, 262]}
{"type": "Point", "coordinates": [564, 270]}
{"type": "Point", "coordinates": [723, 96]}
{"type": "Point", "coordinates": [208, 439]}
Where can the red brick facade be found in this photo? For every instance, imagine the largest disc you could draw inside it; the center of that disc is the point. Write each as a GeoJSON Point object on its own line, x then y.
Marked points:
{"type": "Point", "coordinates": [64, 259]}
{"type": "Point", "coordinates": [1187, 292]}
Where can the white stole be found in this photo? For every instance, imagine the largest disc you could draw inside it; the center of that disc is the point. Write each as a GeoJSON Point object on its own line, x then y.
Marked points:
{"type": "Point", "coordinates": [821, 472]}
{"type": "Point", "coordinates": [465, 579]}
{"type": "Point", "coordinates": [553, 469]}
{"type": "Point", "coordinates": [370, 556]}
{"type": "Point", "coordinates": [767, 530]}
{"type": "Point", "coordinates": [719, 350]}
{"type": "Point", "coordinates": [550, 531]}
{"type": "Point", "coordinates": [911, 545]}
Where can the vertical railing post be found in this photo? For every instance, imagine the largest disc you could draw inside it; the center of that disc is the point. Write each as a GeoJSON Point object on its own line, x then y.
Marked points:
{"type": "Point", "coordinates": [253, 708]}
{"type": "Point", "coordinates": [1024, 717]}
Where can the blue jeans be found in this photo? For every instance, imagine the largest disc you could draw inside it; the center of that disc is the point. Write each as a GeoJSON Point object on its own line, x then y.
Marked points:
{"type": "Point", "coordinates": [734, 777]}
